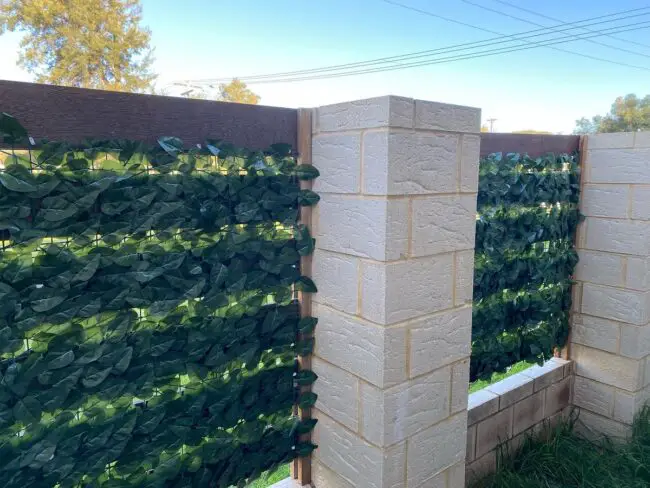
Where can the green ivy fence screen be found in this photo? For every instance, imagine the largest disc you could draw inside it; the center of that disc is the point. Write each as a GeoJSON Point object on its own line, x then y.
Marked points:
{"type": "Point", "coordinates": [525, 257]}
{"type": "Point", "coordinates": [147, 316]}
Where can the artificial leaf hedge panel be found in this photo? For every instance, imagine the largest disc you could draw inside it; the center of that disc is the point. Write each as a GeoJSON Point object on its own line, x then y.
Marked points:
{"type": "Point", "coordinates": [148, 326]}
{"type": "Point", "coordinates": [524, 260]}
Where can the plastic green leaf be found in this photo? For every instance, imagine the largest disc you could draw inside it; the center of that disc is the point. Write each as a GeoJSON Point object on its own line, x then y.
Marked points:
{"type": "Point", "coordinates": [96, 378]}
{"type": "Point", "coordinates": [305, 449]}
{"type": "Point", "coordinates": [306, 284]}
{"type": "Point", "coordinates": [61, 361]}
{"type": "Point", "coordinates": [306, 325]}
{"type": "Point", "coordinates": [47, 304]}
{"type": "Point", "coordinates": [307, 172]}
{"type": "Point", "coordinates": [12, 183]}
{"type": "Point", "coordinates": [305, 347]}
{"type": "Point", "coordinates": [308, 198]}
{"type": "Point", "coordinates": [27, 410]}
{"type": "Point", "coordinates": [304, 242]}
{"type": "Point", "coordinates": [171, 145]}
{"type": "Point", "coordinates": [306, 426]}
{"type": "Point", "coordinates": [307, 399]}
{"type": "Point", "coordinates": [305, 377]}
{"type": "Point", "coordinates": [281, 149]}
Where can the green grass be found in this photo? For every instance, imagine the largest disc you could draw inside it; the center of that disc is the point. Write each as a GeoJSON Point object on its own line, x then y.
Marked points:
{"type": "Point", "coordinates": [271, 477]}
{"type": "Point", "coordinates": [567, 460]}
{"type": "Point", "coordinates": [515, 368]}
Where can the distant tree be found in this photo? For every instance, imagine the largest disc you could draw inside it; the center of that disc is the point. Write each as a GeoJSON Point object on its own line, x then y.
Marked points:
{"type": "Point", "coordinates": [531, 131]}
{"type": "Point", "coordinates": [83, 43]}
{"type": "Point", "coordinates": [628, 114]}
{"type": "Point", "coordinates": [587, 126]}
{"type": "Point", "coordinates": [235, 92]}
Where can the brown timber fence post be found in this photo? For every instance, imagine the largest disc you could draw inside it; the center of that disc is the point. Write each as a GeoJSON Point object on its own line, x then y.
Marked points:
{"type": "Point", "coordinates": [301, 467]}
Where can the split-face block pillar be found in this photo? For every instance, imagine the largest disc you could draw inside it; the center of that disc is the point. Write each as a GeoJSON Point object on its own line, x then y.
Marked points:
{"type": "Point", "coordinates": [611, 319]}
{"type": "Point", "coordinates": [394, 266]}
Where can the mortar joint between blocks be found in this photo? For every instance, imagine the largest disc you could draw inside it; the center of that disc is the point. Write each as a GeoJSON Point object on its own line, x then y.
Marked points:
{"type": "Point", "coordinates": [362, 186]}
{"type": "Point", "coordinates": [459, 161]}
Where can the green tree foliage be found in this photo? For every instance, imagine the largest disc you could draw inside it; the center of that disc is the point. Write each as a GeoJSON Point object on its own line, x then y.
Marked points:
{"type": "Point", "coordinates": [83, 43]}
{"type": "Point", "coordinates": [524, 259]}
{"type": "Point", "coordinates": [234, 92]}
{"type": "Point", "coordinates": [588, 126]}
{"type": "Point", "coordinates": [628, 114]}
{"type": "Point", "coordinates": [148, 333]}
{"type": "Point", "coordinates": [237, 92]}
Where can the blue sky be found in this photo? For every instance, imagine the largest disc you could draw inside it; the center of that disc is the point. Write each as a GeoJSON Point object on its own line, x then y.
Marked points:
{"type": "Point", "coordinates": [538, 88]}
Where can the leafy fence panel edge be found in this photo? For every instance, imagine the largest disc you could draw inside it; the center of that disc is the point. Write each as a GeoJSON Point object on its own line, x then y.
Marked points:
{"type": "Point", "coordinates": [525, 254]}
{"type": "Point", "coordinates": [148, 316]}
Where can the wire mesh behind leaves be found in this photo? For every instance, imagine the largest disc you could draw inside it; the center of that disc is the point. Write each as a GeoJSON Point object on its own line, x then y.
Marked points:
{"type": "Point", "coordinates": [147, 316]}
{"type": "Point", "coordinates": [525, 257]}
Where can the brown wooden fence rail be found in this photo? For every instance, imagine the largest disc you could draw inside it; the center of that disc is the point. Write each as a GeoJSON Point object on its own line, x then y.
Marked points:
{"type": "Point", "coordinates": [533, 144]}
{"type": "Point", "coordinates": [74, 114]}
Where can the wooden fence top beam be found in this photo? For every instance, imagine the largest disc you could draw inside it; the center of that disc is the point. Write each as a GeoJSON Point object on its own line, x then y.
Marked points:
{"type": "Point", "coordinates": [533, 144]}
{"type": "Point", "coordinates": [75, 114]}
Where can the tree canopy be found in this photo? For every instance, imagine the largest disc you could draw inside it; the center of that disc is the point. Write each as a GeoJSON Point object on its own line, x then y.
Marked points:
{"type": "Point", "coordinates": [235, 92]}
{"type": "Point", "coordinates": [82, 43]}
{"type": "Point", "coordinates": [628, 114]}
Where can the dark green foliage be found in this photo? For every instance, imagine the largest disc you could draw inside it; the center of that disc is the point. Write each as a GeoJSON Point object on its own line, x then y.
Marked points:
{"type": "Point", "coordinates": [148, 327]}
{"type": "Point", "coordinates": [524, 261]}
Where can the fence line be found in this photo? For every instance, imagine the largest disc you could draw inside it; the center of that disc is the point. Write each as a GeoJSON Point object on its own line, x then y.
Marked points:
{"type": "Point", "coordinates": [533, 144]}
{"type": "Point", "coordinates": [75, 114]}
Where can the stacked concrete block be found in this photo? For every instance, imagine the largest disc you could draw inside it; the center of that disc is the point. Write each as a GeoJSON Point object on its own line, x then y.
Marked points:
{"type": "Point", "coordinates": [394, 264]}
{"type": "Point", "coordinates": [507, 411]}
{"type": "Point", "coordinates": [610, 341]}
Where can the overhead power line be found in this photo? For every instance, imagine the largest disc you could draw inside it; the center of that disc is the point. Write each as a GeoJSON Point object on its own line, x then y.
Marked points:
{"type": "Point", "coordinates": [510, 16]}
{"type": "Point", "coordinates": [391, 62]}
{"type": "Point", "coordinates": [508, 38]}
{"type": "Point", "coordinates": [431, 14]}
{"type": "Point", "coordinates": [480, 54]}
{"type": "Point", "coordinates": [555, 19]}
{"type": "Point", "coordinates": [431, 62]}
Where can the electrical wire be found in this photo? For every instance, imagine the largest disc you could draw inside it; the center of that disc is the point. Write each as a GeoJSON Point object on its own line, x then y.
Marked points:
{"type": "Point", "coordinates": [431, 14]}
{"type": "Point", "coordinates": [447, 59]}
{"type": "Point", "coordinates": [459, 57]}
{"type": "Point", "coordinates": [421, 54]}
{"type": "Point", "coordinates": [555, 19]}
{"type": "Point", "coordinates": [520, 19]}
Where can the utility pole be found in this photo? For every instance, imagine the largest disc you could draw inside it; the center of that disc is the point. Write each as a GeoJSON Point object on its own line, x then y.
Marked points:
{"type": "Point", "coordinates": [492, 121]}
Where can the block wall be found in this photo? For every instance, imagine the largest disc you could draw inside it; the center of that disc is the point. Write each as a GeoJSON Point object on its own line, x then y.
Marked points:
{"type": "Point", "coordinates": [508, 411]}
{"type": "Point", "coordinates": [610, 338]}
{"type": "Point", "coordinates": [394, 265]}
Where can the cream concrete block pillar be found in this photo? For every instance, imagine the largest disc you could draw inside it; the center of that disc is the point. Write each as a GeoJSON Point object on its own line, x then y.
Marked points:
{"type": "Point", "coordinates": [610, 339]}
{"type": "Point", "coordinates": [394, 265]}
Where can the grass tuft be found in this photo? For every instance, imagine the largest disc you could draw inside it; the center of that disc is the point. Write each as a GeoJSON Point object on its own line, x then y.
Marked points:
{"type": "Point", "coordinates": [271, 477]}
{"type": "Point", "coordinates": [564, 459]}
{"type": "Point", "coordinates": [495, 377]}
